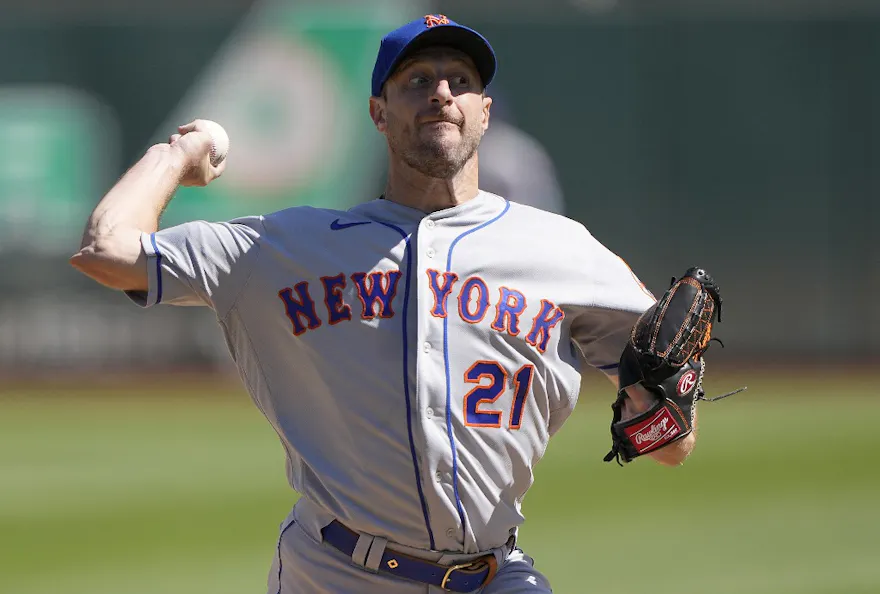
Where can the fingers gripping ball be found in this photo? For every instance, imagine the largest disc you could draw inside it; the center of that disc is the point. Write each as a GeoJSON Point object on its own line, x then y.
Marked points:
{"type": "Point", "coordinates": [220, 147]}
{"type": "Point", "coordinates": [665, 356]}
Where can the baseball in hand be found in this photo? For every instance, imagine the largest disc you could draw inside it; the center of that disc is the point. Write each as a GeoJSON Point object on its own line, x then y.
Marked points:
{"type": "Point", "coordinates": [221, 141]}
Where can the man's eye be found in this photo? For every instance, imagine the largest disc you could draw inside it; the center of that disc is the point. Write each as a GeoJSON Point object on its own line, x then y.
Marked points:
{"type": "Point", "coordinates": [460, 81]}
{"type": "Point", "coordinates": [418, 81]}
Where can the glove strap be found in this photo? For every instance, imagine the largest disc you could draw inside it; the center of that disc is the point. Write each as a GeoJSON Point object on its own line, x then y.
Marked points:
{"type": "Point", "coordinates": [662, 424]}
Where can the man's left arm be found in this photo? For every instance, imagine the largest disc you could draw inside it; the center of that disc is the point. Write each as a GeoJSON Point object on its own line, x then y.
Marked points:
{"type": "Point", "coordinates": [652, 349]}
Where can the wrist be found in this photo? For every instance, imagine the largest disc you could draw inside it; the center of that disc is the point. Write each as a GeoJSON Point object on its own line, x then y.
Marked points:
{"type": "Point", "coordinates": [171, 158]}
{"type": "Point", "coordinates": [675, 453]}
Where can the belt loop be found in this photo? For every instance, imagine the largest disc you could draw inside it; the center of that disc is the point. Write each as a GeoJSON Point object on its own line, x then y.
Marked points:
{"type": "Point", "coordinates": [359, 555]}
{"type": "Point", "coordinates": [374, 558]}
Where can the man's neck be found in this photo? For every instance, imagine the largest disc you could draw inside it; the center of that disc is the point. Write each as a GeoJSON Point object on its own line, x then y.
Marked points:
{"type": "Point", "coordinates": [412, 188]}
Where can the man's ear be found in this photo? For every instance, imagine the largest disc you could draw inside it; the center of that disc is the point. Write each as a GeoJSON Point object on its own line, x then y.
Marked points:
{"type": "Point", "coordinates": [377, 113]}
{"type": "Point", "coordinates": [487, 107]}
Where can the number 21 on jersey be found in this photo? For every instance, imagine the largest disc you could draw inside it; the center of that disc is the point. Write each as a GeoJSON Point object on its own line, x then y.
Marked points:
{"type": "Point", "coordinates": [475, 415]}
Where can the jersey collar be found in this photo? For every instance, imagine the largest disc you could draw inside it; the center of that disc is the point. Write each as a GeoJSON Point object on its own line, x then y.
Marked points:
{"type": "Point", "coordinates": [482, 207]}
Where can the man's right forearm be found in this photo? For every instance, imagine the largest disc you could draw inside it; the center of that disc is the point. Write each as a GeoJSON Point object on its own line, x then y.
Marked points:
{"type": "Point", "coordinates": [110, 249]}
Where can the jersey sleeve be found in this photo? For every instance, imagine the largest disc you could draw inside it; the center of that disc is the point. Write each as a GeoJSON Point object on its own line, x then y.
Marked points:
{"type": "Point", "coordinates": [614, 300]}
{"type": "Point", "coordinates": [200, 263]}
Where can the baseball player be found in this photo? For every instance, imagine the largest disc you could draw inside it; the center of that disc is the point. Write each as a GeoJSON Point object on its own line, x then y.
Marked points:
{"type": "Point", "coordinates": [415, 353]}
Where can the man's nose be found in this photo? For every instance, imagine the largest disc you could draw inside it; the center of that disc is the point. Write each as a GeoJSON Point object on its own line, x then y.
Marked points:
{"type": "Point", "coordinates": [442, 93]}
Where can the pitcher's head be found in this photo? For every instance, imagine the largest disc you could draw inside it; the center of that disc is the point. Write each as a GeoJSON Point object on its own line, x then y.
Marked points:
{"type": "Point", "coordinates": [429, 93]}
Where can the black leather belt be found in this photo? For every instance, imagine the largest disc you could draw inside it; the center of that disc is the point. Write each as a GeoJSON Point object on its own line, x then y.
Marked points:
{"type": "Point", "coordinates": [466, 577]}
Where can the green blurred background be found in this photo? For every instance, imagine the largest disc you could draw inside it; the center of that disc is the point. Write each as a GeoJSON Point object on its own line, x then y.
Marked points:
{"type": "Point", "coordinates": [740, 135]}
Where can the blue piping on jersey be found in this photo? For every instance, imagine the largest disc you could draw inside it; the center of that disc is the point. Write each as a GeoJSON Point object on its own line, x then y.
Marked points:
{"type": "Point", "coordinates": [446, 364]}
{"type": "Point", "coordinates": [412, 445]}
{"type": "Point", "coordinates": [158, 269]}
{"type": "Point", "coordinates": [609, 367]}
{"type": "Point", "coordinates": [281, 536]}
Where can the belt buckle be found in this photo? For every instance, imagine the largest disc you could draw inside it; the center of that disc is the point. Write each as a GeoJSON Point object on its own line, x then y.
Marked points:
{"type": "Point", "coordinates": [454, 568]}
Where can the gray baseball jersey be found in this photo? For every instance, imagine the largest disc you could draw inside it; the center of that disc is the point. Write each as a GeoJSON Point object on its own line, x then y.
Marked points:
{"type": "Point", "coordinates": [413, 365]}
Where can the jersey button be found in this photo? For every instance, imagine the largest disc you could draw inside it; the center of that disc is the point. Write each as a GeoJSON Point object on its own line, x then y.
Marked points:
{"type": "Point", "coordinates": [426, 347]}
{"type": "Point", "coordinates": [439, 477]}
{"type": "Point", "coordinates": [429, 224]}
{"type": "Point", "coordinates": [451, 533]}
{"type": "Point", "coordinates": [429, 412]}
{"type": "Point", "coordinates": [430, 253]}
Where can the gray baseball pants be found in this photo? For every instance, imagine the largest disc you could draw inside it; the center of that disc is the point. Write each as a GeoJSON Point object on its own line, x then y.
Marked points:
{"type": "Point", "coordinates": [306, 565]}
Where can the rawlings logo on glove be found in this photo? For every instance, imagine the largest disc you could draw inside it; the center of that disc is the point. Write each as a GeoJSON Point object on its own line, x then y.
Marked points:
{"type": "Point", "coordinates": [656, 429]}
{"type": "Point", "coordinates": [665, 356]}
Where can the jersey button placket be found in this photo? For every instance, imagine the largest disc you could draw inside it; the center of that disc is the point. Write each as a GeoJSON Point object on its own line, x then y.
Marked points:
{"type": "Point", "coordinates": [432, 383]}
{"type": "Point", "coordinates": [429, 225]}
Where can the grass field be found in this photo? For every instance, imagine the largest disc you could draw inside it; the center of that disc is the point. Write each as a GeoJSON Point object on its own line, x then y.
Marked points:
{"type": "Point", "coordinates": [180, 488]}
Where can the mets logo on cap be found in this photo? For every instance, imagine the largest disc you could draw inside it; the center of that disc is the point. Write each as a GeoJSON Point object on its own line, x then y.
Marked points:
{"type": "Point", "coordinates": [432, 20]}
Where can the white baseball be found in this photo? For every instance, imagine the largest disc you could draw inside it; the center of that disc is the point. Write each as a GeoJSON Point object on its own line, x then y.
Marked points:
{"type": "Point", "coordinates": [220, 148]}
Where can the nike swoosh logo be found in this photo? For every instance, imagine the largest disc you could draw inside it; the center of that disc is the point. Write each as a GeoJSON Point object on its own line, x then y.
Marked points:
{"type": "Point", "coordinates": [336, 225]}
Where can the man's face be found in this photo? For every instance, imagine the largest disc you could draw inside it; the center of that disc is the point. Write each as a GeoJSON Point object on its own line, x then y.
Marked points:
{"type": "Point", "coordinates": [433, 111]}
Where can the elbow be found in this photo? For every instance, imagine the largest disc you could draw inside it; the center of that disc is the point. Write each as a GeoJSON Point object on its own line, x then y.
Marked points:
{"type": "Point", "coordinates": [86, 259]}
{"type": "Point", "coordinates": [90, 262]}
{"type": "Point", "coordinates": [103, 261]}
{"type": "Point", "coordinates": [80, 261]}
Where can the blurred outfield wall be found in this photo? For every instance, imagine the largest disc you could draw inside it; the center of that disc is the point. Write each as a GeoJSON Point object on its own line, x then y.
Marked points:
{"type": "Point", "coordinates": [743, 139]}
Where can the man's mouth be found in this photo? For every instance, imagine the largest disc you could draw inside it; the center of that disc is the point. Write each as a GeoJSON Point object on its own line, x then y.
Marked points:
{"type": "Point", "coordinates": [438, 123]}
{"type": "Point", "coordinates": [440, 118]}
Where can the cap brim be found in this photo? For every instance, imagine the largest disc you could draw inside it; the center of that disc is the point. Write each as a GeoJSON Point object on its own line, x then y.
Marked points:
{"type": "Point", "coordinates": [456, 36]}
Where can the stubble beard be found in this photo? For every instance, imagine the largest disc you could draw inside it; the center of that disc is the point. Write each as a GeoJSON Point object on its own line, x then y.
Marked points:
{"type": "Point", "coordinates": [434, 157]}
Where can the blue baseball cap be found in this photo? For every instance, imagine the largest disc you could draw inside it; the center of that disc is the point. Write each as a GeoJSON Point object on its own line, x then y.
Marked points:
{"type": "Point", "coordinates": [431, 30]}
